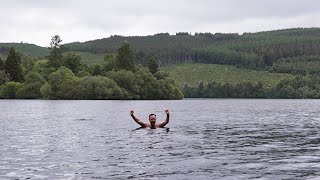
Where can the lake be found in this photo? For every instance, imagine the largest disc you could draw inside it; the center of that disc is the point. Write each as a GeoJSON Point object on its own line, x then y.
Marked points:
{"type": "Point", "coordinates": [205, 139]}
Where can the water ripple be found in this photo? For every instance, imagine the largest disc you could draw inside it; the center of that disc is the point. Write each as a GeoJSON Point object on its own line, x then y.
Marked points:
{"type": "Point", "coordinates": [205, 139]}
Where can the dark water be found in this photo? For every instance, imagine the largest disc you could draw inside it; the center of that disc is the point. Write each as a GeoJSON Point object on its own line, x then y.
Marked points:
{"type": "Point", "coordinates": [205, 139]}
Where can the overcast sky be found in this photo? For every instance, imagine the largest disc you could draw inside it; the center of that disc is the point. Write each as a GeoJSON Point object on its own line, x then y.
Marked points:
{"type": "Point", "coordinates": [35, 21]}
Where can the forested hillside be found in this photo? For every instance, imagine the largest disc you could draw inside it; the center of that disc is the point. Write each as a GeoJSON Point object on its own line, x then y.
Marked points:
{"type": "Point", "coordinates": [264, 50]}
{"type": "Point", "coordinates": [249, 50]}
{"type": "Point", "coordinates": [24, 48]}
{"type": "Point", "coordinates": [294, 53]}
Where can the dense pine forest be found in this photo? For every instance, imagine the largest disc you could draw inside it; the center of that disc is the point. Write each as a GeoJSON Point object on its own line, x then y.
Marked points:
{"type": "Point", "coordinates": [134, 73]}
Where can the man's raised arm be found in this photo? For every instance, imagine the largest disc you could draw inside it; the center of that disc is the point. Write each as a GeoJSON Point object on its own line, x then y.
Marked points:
{"type": "Point", "coordinates": [137, 120]}
{"type": "Point", "coordinates": [167, 119]}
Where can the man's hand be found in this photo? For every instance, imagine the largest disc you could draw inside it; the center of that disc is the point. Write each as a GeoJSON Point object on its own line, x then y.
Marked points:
{"type": "Point", "coordinates": [131, 112]}
{"type": "Point", "coordinates": [167, 112]}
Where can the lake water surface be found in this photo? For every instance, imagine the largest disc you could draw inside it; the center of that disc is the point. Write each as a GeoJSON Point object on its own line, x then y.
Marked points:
{"type": "Point", "coordinates": [205, 139]}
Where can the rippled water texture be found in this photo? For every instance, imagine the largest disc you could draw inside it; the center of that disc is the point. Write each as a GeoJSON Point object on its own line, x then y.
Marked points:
{"type": "Point", "coordinates": [205, 139]}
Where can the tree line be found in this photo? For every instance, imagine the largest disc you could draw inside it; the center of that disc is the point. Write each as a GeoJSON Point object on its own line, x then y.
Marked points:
{"type": "Point", "coordinates": [63, 75]}
{"type": "Point", "coordinates": [300, 87]}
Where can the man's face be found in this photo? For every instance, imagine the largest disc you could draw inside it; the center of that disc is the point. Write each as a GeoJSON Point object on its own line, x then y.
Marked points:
{"type": "Point", "coordinates": [152, 119]}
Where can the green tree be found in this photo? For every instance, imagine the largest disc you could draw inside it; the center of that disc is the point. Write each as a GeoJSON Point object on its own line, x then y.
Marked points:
{"type": "Point", "coordinates": [31, 87]}
{"type": "Point", "coordinates": [1, 89]}
{"type": "Point", "coordinates": [72, 61]}
{"type": "Point", "coordinates": [12, 66]}
{"type": "Point", "coordinates": [10, 89]}
{"type": "Point", "coordinates": [168, 89]}
{"type": "Point", "coordinates": [56, 53]}
{"type": "Point", "coordinates": [42, 67]}
{"type": "Point", "coordinates": [96, 70]}
{"type": "Point", "coordinates": [98, 87]}
{"type": "Point", "coordinates": [46, 91]}
{"type": "Point", "coordinates": [125, 58]}
{"type": "Point", "coordinates": [150, 86]}
{"type": "Point", "coordinates": [152, 65]}
{"type": "Point", "coordinates": [109, 62]}
{"type": "Point", "coordinates": [1, 64]}
{"type": "Point", "coordinates": [55, 41]}
{"type": "Point", "coordinates": [161, 75]}
{"type": "Point", "coordinates": [200, 89]}
{"type": "Point", "coordinates": [127, 81]}
{"type": "Point", "coordinates": [83, 73]}
{"type": "Point", "coordinates": [187, 91]}
{"type": "Point", "coordinates": [30, 91]}
{"type": "Point", "coordinates": [3, 77]}
{"type": "Point", "coordinates": [33, 77]}
{"type": "Point", "coordinates": [61, 84]}
{"type": "Point", "coordinates": [27, 64]}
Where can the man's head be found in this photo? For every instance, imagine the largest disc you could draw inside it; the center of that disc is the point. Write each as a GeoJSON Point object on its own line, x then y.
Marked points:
{"type": "Point", "coordinates": [152, 118]}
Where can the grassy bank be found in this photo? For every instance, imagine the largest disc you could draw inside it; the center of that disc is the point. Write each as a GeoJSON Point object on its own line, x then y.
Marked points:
{"type": "Point", "coordinates": [193, 73]}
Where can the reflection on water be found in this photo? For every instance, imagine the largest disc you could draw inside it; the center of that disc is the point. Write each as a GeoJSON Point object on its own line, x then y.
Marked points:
{"type": "Point", "coordinates": [205, 139]}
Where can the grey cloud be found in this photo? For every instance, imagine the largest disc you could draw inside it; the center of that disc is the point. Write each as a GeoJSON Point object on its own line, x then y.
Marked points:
{"type": "Point", "coordinates": [139, 17]}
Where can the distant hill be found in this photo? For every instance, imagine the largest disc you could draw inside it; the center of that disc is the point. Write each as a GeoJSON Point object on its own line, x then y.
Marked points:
{"type": "Point", "coordinates": [168, 49]}
{"type": "Point", "coordinates": [27, 49]}
{"type": "Point", "coordinates": [249, 50]}
{"type": "Point", "coordinates": [41, 52]}
{"type": "Point", "coordinates": [261, 50]}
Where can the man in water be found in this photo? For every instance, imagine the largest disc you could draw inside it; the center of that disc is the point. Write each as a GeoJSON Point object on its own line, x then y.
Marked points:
{"type": "Point", "coordinates": [152, 120]}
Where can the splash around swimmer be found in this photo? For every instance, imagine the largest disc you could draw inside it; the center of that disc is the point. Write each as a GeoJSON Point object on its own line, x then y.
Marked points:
{"type": "Point", "coordinates": [152, 120]}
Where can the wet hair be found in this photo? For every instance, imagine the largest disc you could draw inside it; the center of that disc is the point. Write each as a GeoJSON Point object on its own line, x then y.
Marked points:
{"type": "Point", "coordinates": [152, 115]}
